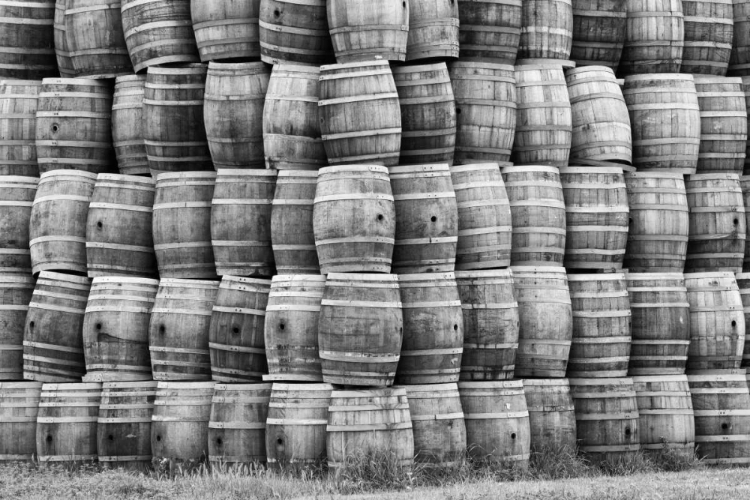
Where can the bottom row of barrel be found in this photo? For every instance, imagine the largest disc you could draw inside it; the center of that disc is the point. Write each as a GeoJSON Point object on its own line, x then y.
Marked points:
{"type": "Point", "coordinates": [129, 424]}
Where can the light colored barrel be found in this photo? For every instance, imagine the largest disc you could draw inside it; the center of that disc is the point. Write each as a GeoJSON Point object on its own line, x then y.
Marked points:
{"type": "Point", "coordinates": [546, 29]}
{"type": "Point", "coordinates": [361, 30]}
{"type": "Point", "coordinates": [226, 30]}
{"type": "Point", "coordinates": [115, 329]}
{"type": "Point", "coordinates": [17, 198]}
{"type": "Point", "coordinates": [295, 31]}
{"type": "Point", "coordinates": [490, 29]}
{"type": "Point", "coordinates": [743, 283]}
{"type": "Point", "coordinates": [236, 332]}
{"type": "Point", "coordinates": [709, 30]}
{"type": "Point", "coordinates": [292, 236]}
{"type": "Point", "coordinates": [179, 329]}
{"type": "Point", "coordinates": [26, 39]}
{"type": "Point", "coordinates": [433, 30]}
{"type": "Point", "coordinates": [654, 37]}
{"type": "Point", "coordinates": [598, 32]}
{"type": "Point", "coordinates": [62, 54]}
{"type": "Point", "coordinates": [739, 59]}
{"type": "Point", "coordinates": [127, 125]}
{"type": "Point", "coordinates": [241, 222]}
{"type": "Point", "coordinates": [18, 106]}
{"type": "Point", "coordinates": [437, 420]}
{"type": "Point", "coordinates": [551, 415]}
{"type": "Point", "coordinates": [19, 405]}
{"type": "Point", "coordinates": [15, 295]}
{"type": "Point", "coordinates": [237, 425]}
{"type": "Point", "coordinates": [665, 412]}
{"type": "Point", "coordinates": [745, 186]}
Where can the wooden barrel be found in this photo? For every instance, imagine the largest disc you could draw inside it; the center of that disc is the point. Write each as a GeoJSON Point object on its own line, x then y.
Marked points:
{"type": "Point", "coordinates": [226, 30]}
{"type": "Point", "coordinates": [66, 422]}
{"type": "Point", "coordinates": [178, 332]}
{"type": "Point", "coordinates": [158, 32]}
{"type": "Point", "coordinates": [485, 94]}
{"type": "Point", "coordinates": [546, 321]}
{"type": "Point", "coordinates": [433, 30]}
{"type": "Point", "coordinates": [360, 329]}
{"type": "Point", "coordinates": [354, 219]}
{"type": "Point", "coordinates": [127, 125]}
{"type": "Point", "coordinates": [119, 239]}
{"type": "Point", "coordinates": [292, 236]}
{"type": "Point", "coordinates": [18, 106]}
{"type": "Point", "coordinates": [62, 54]}
{"type": "Point", "coordinates": [743, 283]}
{"type": "Point", "coordinates": [241, 222]}
{"type": "Point", "coordinates": [437, 420]}
{"type": "Point", "coordinates": [296, 425]}
{"type": "Point", "coordinates": [175, 95]}
{"type": "Point", "coordinates": [96, 41]}
{"type": "Point", "coordinates": [426, 219]}
{"type": "Point", "coordinates": [17, 199]}
{"type": "Point", "coordinates": [601, 126]}
{"type": "Point", "coordinates": [551, 415]}
{"type": "Point", "coordinates": [723, 124]}
{"type": "Point", "coordinates": [19, 405]}
{"type": "Point", "coordinates": [659, 222]}
{"type": "Point", "coordinates": [596, 217]}
{"type": "Point", "coordinates": [182, 225]}
{"type": "Point", "coordinates": [360, 32]}
{"type": "Point", "coordinates": [546, 29]}
{"type": "Point", "coordinates": [598, 32]}
{"type": "Point", "coordinates": [709, 30]}
{"type": "Point", "coordinates": [73, 125]}
{"type": "Point", "coordinates": [291, 124]}
{"type": "Point", "coordinates": [179, 425]}
{"type": "Point", "coordinates": [739, 59]}
{"type": "Point", "coordinates": [665, 119]}
{"type": "Point", "coordinates": [654, 37]}
{"type": "Point", "coordinates": [291, 328]}
{"type": "Point", "coordinates": [601, 326]}
{"type": "Point", "coordinates": [237, 425]}
{"type": "Point", "coordinates": [236, 332]}
{"type": "Point", "coordinates": [721, 405]}
{"type": "Point", "coordinates": [717, 322]}
{"type": "Point", "coordinates": [295, 31]}
{"type": "Point", "coordinates": [369, 424]}
{"type": "Point", "coordinates": [27, 39]}
{"type": "Point", "coordinates": [428, 113]}
{"type": "Point", "coordinates": [490, 324]}
{"type": "Point", "coordinates": [360, 119]}
{"type": "Point", "coordinates": [115, 329]}
{"type": "Point", "coordinates": [745, 186]}
{"type": "Point", "coordinates": [57, 230]}
{"type": "Point", "coordinates": [490, 29]}
{"type": "Point", "coordinates": [123, 428]}
{"type": "Point", "coordinates": [497, 422]}
{"type": "Point", "coordinates": [606, 418]}
{"type": "Point", "coordinates": [660, 323]}
{"type": "Point", "coordinates": [15, 295]}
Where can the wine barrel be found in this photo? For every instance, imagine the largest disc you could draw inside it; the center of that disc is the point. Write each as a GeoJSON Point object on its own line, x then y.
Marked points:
{"type": "Point", "coordinates": [665, 412]}
{"type": "Point", "coordinates": [438, 425]}
{"type": "Point", "coordinates": [15, 295]}
{"type": "Point", "coordinates": [236, 332]}
{"type": "Point", "coordinates": [296, 425]}
{"type": "Point", "coordinates": [182, 225]}
{"type": "Point", "coordinates": [66, 423]}
{"type": "Point", "coordinates": [490, 324]}
{"type": "Point", "coordinates": [369, 424]}
{"type": "Point", "coordinates": [62, 54]}
{"type": "Point", "coordinates": [433, 30]}
{"type": "Point", "coordinates": [598, 32]}
{"type": "Point", "coordinates": [17, 198]}
{"type": "Point", "coordinates": [546, 29]}
{"type": "Point", "coordinates": [127, 125]}
{"type": "Point", "coordinates": [19, 405]}
{"type": "Point", "coordinates": [665, 120]}
{"type": "Point", "coordinates": [291, 328]}
{"type": "Point", "coordinates": [654, 37]}
{"type": "Point", "coordinates": [360, 119]}
{"type": "Point", "coordinates": [175, 95]}
{"type": "Point", "coordinates": [601, 126]}
{"type": "Point", "coordinates": [179, 329]}
{"type": "Point", "coordinates": [743, 283]}
{"type": "Point", "coordinates": [660, 323]}
{"type": "Point", "coordinates": [241, 222]}
{"type": "Point", "coordinates": [709, 30]}
{"type": "Point", "coordinates": [717, 322]}
{"type": "Point", "coordinates": [606, 418]}
{"type": "Point", "coordinates": [596, 217]}
{"type": "Point", "coordinates": [115, 329]}
{"type": "Point", "coordinates": [57, 230]}
{"type": "Point", "coordinates": [659, 222]}
{"type": "Point", "coordinates": [291, 124]}
{"type": "Point", "coordinates": [739, 59]}
{"type": "Point", "coordinates": [18, 106]}
{"type": "Point", "coordinates": [119, 239]}
{"type": "Point", "coordinates": [96, 41]}
{"type": "Point", "coordinates": [546, 321]}
{"type": "Point", "coordinates": [360, 329]}
{"type": "Point", "coordinates": [490, 29]}
{"type": "Point", "coordinates": [292, 236]}
{"type": "Point", "coordinates": [428, 114]}
{"type": "Point", "coordinates": [237, 424]}
{"type": "Point", "coordinates": [551, 415]}
{"type": "Point", "coordinates": [745, 186]}
{"type": "Point", "coordinates": [158, 32]}
{"type": "Point", "coordinates": [354, 219]}
{"type": "Point", "coordinates": [295, 31]}
{"type": "Point", "coordinates": [485, 94]}
{"type": "Point", "coordinates": [226, 30]}
{"type": "Point", "coordinates": [361, 30]}
{"type": "Point", "coordinates": [123, 427]}
{"type": "Point", "coordinates": [73, 125]}
{"type": "Point", "coordinates": [27, 39]}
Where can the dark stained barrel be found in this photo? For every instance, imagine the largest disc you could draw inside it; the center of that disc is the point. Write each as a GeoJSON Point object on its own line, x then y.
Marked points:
{"type": "Point", "coordinates": [295, 31]}
{"type": "Point", "coordinates": [490, 29]}
{"type": "Point", "coordinates": [17, 198]}
{"type": "Point", "coordinates": [62, 55]}
{"type": "Point", "coordinates": [433, 30]}
{"type": "Point", "coordinates": [709, 31]}
{"type": "Point", "coordinates": [226, 30]}
{"type": "Point", "coordinates": [598, 32]}
{"type": "Point", "coordinates": [18, 105]}
{"type": "Point", "coordinates": [292, 236]}
{"type": "Point", "coordinates": [739, 59]}
{"type": "Point", "coordinates": [127, 125]}
{"type": "Point", "coordinates": [27, 39]}
{"type": "Point", "coordinates": [15, 295]}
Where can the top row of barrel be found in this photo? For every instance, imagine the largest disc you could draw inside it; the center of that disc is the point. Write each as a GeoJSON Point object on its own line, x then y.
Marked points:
{"type": "Point", "coordinates": [104, 39]}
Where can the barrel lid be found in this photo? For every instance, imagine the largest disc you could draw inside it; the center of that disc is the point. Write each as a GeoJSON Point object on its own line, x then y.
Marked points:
{"type": "Point", "coordinates": [597, 277]}
{"type": "Point", "coordinates": [438, 276]}
{"type": "Point", "coordinates": [481, 64]}
{"type": "Point", "coordinates": [407, 169]}
{"type": "Point", "coordinates": [183, 69]}
{"type": "Point", "coordinates": [52, 174]}
{"type": "Point", "coordinates": [80, 82]}
{"type": "Point", "coordinates": [244, 279]}
{"type": "Point", "coordinates": [419, 68]}
{"type": "Point", "coordinates": [244, 172]}
{"type": "Point", "coordinates": [484, 273]}
{"type": "Point", "coordinates": [297, 173]}
{"type": "Point", "coordinates": [125, 179]}
{"type": "Point", "coordinates": [431, 388]}
{"type": "Point", "coordinates": [130, 78]}
{"type": "Point", "coordinates": [357, 64]}
{"type": "Point", "coordinates": [289, 278]}
{"type": "Point", "coordinates": [279, 386]}
{"type": "Point", "coordinates": [191, 283]}
{"type": "Point", "coordinates": [290, 66]}
{"type": "Point", "coordinates": [70, 278]}
{"type": "Point", "coordinates": [148, 384]}
{"type": "Point", "coordinates": [471, 167]}
{"type": "Point", "coordinates": [125, 279]}
{"type": "Point", "coordinates": [507, 384]}
{"type": "Point", "coordinates": [241, 387]}
{"type": "Point", "coordinates": [591, 170]}
{"type": "Point", "coordinates": [362, 277]}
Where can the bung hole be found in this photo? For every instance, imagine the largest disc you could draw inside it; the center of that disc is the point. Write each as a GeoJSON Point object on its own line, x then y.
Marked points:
{"type": "Point", "coordinates": [111, 437]}
{"type": "Point", "coordinates": [235, 330]}
{"type": "Point", "coordinates": [158, 438]}
{"type": "Point", "coordinates": [380, 217]}
{"type": "Point", "coordinates": [162, 329]}
{"type": "Point", "coordinates": [98, 326]}
{"type": "Point", "coordinates": [219, 441]}
{"type": "Point", "coordinates": [455, 327]}
{"type": "Point", "coordinates": [734, 323]}
{"type": "Point", "coordinates": [282, 326]}
{"type": "Point", "coordinates": [99, 224]}
{"type": "Point", "coordinates": [31, 325]}
{"type": "Point", "coordinates": [279, 441]}
{"type": "Point", "coordinates": [49, 439]}
{"type": "Point", "coordinates": [513, 435]}
{"type": "Point", "coordinates": [55, 128]}
{"type": "Point", "coordinates": [627, 431]}
{"type": "Point", "coordinates": [433, 219]}
{"type": "Point", "coordinates": [725, 426]}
